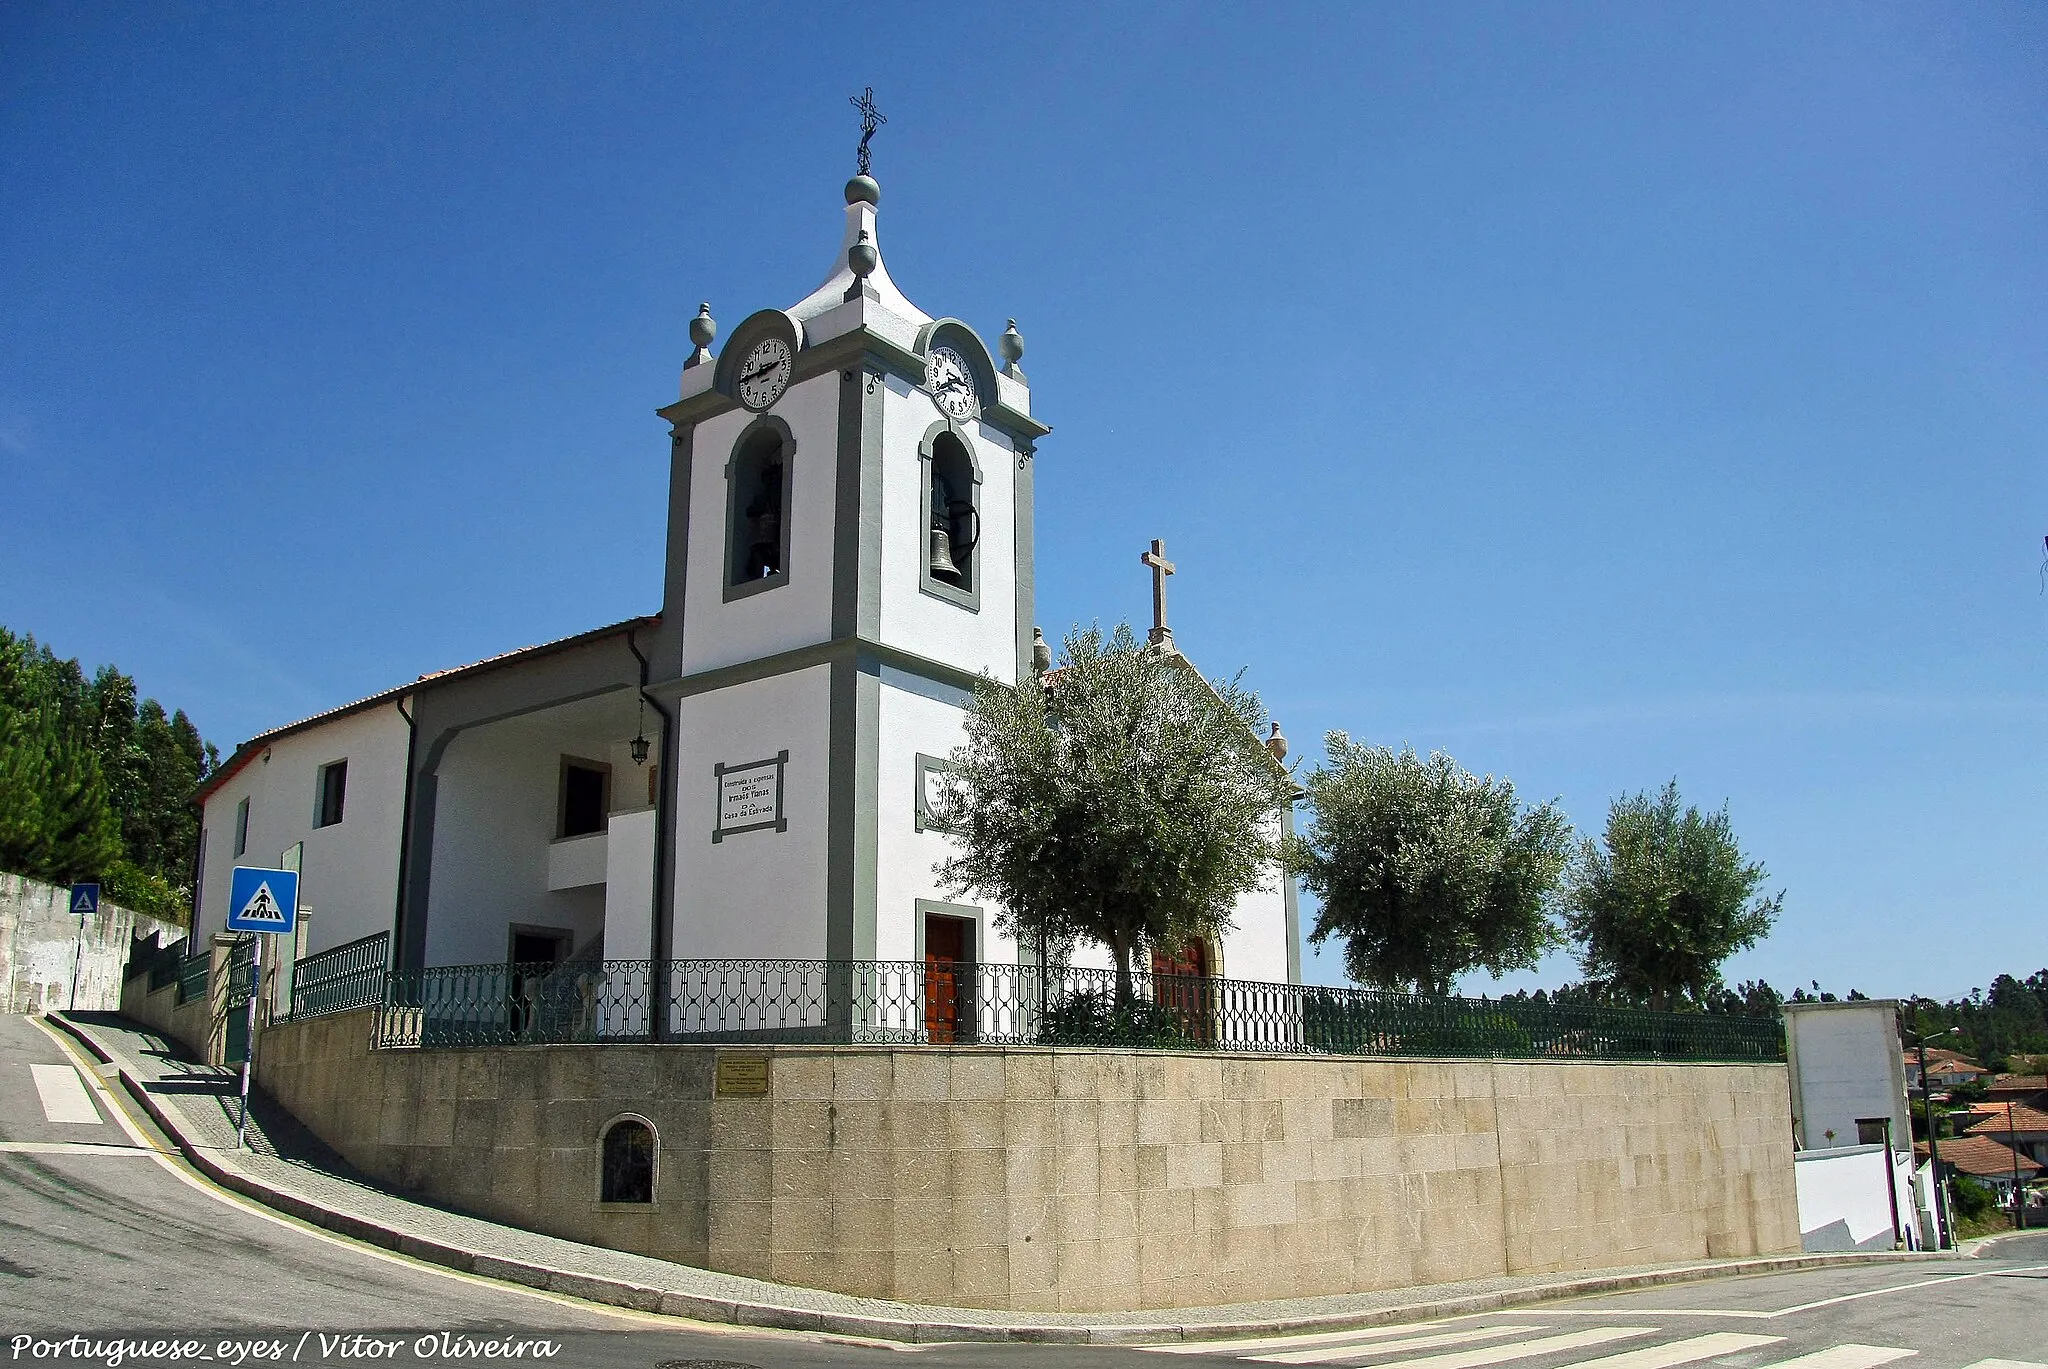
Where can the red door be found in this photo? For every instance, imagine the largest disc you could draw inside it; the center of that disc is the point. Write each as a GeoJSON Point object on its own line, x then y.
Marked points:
{"type": "Point", "coordinates": [948, 977]}
{"type": "Point", "coordinates": [1178, 987]}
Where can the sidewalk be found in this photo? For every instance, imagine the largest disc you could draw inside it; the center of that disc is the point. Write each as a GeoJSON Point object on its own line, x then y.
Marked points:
{"type": "Point", "coordinates": [288, 1169]}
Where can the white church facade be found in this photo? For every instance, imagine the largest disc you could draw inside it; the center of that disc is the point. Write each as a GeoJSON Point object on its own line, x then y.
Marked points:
{"type": "Point", "coordinates": [743, 774]}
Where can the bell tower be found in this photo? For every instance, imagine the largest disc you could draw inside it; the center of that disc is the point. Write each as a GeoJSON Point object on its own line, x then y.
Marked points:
{"type": "Point", "coordinates": [849, 551]}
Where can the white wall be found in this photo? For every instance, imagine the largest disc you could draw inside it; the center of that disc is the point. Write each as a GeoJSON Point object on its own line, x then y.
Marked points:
{"type": "Point", "coordinates": [1844, 1060]}
{"type": "Point", "coordinates": [761, 893]}
{"type": "Point", "coordinates": [717, 633]}
{"type": "Point", "coordinates": [913, 722]}
{"type": "Point", "coordinates": [1256, 946]}
{"type": "Point", "coordinates": [978, 640]}
{"type": "Point", "coordinates": [349, 877]}
{"type": "Point", "coordinates": [1843, 1203]}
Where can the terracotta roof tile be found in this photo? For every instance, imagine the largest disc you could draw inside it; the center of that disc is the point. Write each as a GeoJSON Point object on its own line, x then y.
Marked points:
{"type": "Point", "coordinates": [1983, 1156]}
{"type": "Point", "coordinates": [1992, 1120]}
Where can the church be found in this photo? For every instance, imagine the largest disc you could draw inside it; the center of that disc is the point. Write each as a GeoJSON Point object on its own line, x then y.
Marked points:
{"type": "Point", "coordinates": [744, 774]}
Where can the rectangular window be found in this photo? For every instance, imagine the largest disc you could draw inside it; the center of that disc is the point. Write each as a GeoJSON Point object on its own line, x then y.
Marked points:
{"type": "Point", "coordinates": [586, 797]}
{"type": "Point", "coordinates": [1870, 1131]}
{"type": "Point", "coordinates": [241, 827]}
{"type": "Point", "coordinates": [333, 793]}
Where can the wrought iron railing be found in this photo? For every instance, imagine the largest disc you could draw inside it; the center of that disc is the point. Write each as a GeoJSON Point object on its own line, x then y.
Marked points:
{"type": "Point", "coordinates": [912, 1002]}
{"type": "Point", "coordinates": [349, 976]}
{"type": "Point", "coordinates": [161, 963]}
{"type": "Point", "coordinates": [193, 972]}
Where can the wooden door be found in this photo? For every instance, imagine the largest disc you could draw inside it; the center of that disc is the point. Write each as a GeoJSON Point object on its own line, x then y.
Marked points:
{"type": "Point", "coordinates": [1178, 986]}
{"type": "Point", "coordinates": [948, 978]}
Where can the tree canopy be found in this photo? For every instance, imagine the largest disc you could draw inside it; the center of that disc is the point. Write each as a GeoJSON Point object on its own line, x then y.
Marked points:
{"type": "Point", "coordinates": [95, 783]}
{"type": "Point", "coordinates": [1424, 870]}
{"type": "Point", "coordinates": [1122, 799]}
{"type": "Point", "coordinates": [1662, 900]}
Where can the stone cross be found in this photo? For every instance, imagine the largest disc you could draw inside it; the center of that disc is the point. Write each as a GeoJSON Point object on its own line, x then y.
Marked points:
{"type": "Point", "coordinates": [1161, 568]}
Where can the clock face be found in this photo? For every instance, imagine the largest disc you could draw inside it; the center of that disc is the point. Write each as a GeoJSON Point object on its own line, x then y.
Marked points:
{"type": "Point", "coordinates": [951, 383]}
{"type": "Point", "coordinates": [764, 374]}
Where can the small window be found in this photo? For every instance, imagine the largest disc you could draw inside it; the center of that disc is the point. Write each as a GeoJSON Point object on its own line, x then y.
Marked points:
{"type": "Point", "coordinates": [758, 496]}
{"type": "Point", "coordinates": [628, 1161]}
{"type": "Point", "coordinates": [241, 827]}
{"type": "Point", "coordinates": [333, 794]}
{"type": "Point", "coordinates": [1870, 1131]}
{"type": "Point", "coordinates": [585, 797]}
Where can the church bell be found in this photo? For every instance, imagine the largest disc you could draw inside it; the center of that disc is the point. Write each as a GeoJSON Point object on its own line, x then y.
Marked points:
{"type": "Point", "coordinates": [942, 567]}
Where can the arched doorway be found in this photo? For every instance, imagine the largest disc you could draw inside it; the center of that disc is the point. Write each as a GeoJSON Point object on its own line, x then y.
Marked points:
{"type": "Point", "coordinates": [1180, 985]}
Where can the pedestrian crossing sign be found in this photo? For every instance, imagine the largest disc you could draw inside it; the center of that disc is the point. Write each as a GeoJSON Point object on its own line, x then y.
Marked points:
{"type": "Point", "coordinates": [85, 898]}
{"type": "Point", "coordinates": [263, 900]}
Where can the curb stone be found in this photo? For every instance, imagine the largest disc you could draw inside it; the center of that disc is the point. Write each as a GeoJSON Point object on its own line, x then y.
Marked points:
{"type": "Point", "coordinates": [918, 1325]}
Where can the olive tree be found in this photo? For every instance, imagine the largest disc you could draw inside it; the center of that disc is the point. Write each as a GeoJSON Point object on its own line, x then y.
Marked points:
{"type": "Point", "coordinates": [1424, 870]}
{"type": "Point", "coordinates": [1662, 899]}
{"type": "Point", "coordinates": [1119, 798]}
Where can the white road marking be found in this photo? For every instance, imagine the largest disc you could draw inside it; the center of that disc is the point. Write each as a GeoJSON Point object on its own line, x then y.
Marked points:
{"type": "Point", "coordinates": [1845, 1357]}
{"type": "Point", "coordinates": [1680, 1351]}
{"type": "Point", "coordinates": [1528, 1349]}
{"type": "Point", "coordinates": [66, 1148]}
{"type": "Point", "coordinates": [1750, 1315]}
{"type": "Point", "coordinates": [1330, 1354]}
{"type": "Point", "coordinates": [2005, 1364]}
{"type": "Point", "coordinates": [1225, 1347]}
{"type": "Point", "coordinates": [64, 1096]}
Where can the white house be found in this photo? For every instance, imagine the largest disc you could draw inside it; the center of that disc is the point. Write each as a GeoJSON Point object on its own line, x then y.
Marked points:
{"type": "Point", "coordinates": [744, 773]}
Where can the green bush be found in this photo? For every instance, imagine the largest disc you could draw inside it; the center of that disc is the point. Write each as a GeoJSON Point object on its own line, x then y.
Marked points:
{"type": "Point", "coordinates": [1089, 1018]}
{"type": "Point", "coordinates": [1971, 1200]}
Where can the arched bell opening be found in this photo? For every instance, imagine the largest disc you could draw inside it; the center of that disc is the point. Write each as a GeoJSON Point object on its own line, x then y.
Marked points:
{"type": "Point", "coordinates": [949, 557]}
{"type": "Point", "coordinates": [758, 481]}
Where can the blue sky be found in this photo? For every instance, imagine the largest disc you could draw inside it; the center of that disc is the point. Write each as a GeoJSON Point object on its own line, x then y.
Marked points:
{"type": "Point", "coordinates": [1598, 393]}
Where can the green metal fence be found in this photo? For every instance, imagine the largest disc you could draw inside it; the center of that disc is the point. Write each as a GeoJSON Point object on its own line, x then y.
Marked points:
{"type": "Point", "coordinates": [916, 1003]}
{"type": "Point", "coordinates": [348, 976]}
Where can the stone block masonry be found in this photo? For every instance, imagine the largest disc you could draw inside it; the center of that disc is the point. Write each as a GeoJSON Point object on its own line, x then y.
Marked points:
{"type": "Point", "coordinates": [1037, 1179]}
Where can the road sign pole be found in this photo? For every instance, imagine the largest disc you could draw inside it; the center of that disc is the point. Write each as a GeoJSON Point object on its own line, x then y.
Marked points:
{"type": "Point", "coordinates": [249, 1038]}
{"type": "Point", "coordinates": [77, 960]}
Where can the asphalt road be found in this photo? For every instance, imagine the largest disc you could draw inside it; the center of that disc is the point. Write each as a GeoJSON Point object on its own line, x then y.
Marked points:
{"type": "Point", "coordinates": [102, 1237]}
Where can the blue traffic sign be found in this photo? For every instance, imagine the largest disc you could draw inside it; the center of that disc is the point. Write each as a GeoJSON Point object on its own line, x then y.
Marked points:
{"type": "Point", "coordinates": [85, 898]}
{"type": "Point", "coordinates": [263, 900]}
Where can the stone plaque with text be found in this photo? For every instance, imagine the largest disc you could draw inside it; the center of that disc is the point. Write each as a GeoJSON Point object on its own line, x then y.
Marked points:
{"type": "Point", "coordinates": [750, 797]}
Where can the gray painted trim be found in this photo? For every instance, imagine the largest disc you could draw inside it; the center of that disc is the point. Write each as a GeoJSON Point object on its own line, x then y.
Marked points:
{"type": "Point", "coordinates": [819, 653]}
{"type": "Point", "coordinates": [867, 772]}
{"type": "Point", "coordinates": [842, 800]}
{"type": "Point", "coordinates": [920, 796]}
{"type": "Point", "coordinates": [927, 446]}
{"type": "Point", "coordinates": [741, 590]}
{"type": "Point", "coordinates": [966, 912]}
{"type": "Point", "coordinates": [1025, 555]}
{"type": "Point", "coordinates": [719, 770]}
{"type": "Point", "coordinates": [1290, 898]}
{"type": "Point", "coordinates": [857, 524]}
{"type": "Point", "coordinates": [676, 575]}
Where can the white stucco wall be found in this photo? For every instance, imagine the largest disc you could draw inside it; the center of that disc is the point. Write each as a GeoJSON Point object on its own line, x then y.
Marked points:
{"type": "Point", "coordinates": [1256, 945]}
{"type": "Point", "coordinates": [760, 893]}
{"type": "Point", "coordinates": [1844, 1062]}
{"type": "Point", "coordinates": [717, 633]}
{"type": "Point", "coordinates": [975, 640]}
{"type": "Point", "coordinates": [349, 875]}
{"type": "Point", "coordinates": [496, 815]}
{"type": "Point", "coordinates": [1843, 1203]}
{"type": "Point", "coordinates": [913, 722]}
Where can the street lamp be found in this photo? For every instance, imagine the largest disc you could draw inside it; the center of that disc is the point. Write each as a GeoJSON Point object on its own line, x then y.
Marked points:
{"type": "Point", "coordinates": [1941, 1215]}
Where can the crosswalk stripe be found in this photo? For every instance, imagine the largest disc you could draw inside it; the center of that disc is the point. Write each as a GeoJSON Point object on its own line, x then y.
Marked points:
{"type": "Point", "coordinates": [1225, 1347]}
{"type": "Point", "coordinates": [1680, 1351]}
{"type": "Point", "coordinates": [1330, 1354]}
{"type": "Point", "coordinates": [67, 1148]}
{"type": "Point", "coordinates": [1850, 1356]}
{"type": "Point", "coordinates": [1501, 1354]}
{"type": "Point", "coordinates": [2005, 1364]}
{"type": "Point", "coordinates": [63, 1093]}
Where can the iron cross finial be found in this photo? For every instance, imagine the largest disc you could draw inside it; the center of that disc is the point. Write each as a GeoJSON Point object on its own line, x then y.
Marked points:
{"type": "Point", "coordinates": [870, 120]}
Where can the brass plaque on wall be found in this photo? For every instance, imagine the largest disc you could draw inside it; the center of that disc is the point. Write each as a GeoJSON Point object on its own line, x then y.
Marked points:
{"type": "Point", "coordinates": [741, 1076]}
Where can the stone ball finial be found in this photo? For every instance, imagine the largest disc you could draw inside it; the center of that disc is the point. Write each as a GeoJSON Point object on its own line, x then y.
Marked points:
{"type": "Point", "coordinates": [863, 189]}
{"type": "Point", "coordinates": [1041, 654]}
{"type": "Point", "coordinates": [1011, 344]}
{"type": "Point", "coordinates": [862, 258]}
{"type": "Point", "coordinates": [703, 328]}
{"type": "Point", "coordinates": [1277, 744]}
